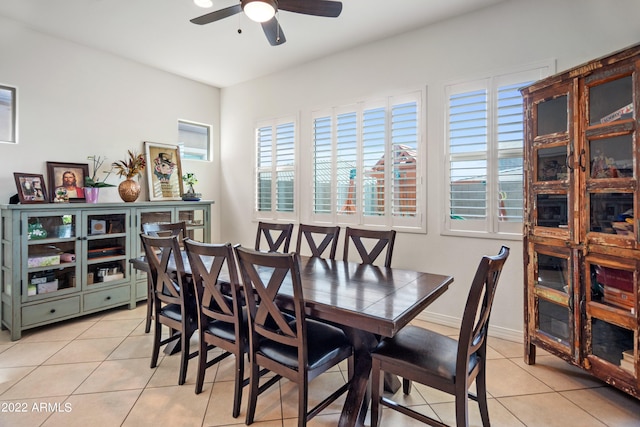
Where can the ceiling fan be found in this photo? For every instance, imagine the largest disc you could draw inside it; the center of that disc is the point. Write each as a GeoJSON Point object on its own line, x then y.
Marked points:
{"type": "Point", "coordinates": [263, 11]}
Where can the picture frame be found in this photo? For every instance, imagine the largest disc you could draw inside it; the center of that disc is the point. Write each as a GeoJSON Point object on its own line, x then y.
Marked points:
{"type": "Point", "coordinates": [164, 171]}
{"type": "Point", "coordinates": [31, 188]}
{"type": "Point", "coordinates": [74, 174]}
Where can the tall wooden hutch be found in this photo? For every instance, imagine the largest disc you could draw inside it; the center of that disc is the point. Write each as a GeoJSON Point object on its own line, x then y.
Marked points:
{"type": "Point", "coordinates": [581, 238]}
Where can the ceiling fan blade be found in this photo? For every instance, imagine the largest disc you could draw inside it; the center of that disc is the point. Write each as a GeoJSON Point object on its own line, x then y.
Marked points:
{"type": "Point", "coordinates": [329, 9]}
{"type": "Point", "coordinates": [273, 31]}
{"type": "Point", "coordinates": [217, 15]}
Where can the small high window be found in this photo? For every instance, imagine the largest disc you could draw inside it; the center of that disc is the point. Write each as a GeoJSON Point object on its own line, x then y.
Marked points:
{"type": "Point", "coordinates": [194, 140]}
{"type": "Point", "coordinates": [8, 114]}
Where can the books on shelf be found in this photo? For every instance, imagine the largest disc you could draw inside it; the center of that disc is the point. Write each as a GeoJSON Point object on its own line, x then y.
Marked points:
{"type": "Point", "coordinates": [619, 298]}
{"type": "Point", "coordinates": [627, 362]}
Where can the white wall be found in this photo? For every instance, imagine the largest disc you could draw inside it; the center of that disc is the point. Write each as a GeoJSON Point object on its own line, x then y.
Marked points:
{"type": "Point", "coordinates": [503, 37]}
{"type": "Point", "coordinates": [75, 102]}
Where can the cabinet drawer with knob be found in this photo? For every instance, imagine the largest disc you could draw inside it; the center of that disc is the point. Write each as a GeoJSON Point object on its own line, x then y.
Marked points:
{"type": "Point", "coordinates": [45, 312]}
{"type": "Point", "coordinates": [106, 298]}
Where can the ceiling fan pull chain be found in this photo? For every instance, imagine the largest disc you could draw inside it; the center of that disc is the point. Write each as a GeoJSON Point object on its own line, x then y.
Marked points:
{"type": "Point", "coordinates": [278, 27]}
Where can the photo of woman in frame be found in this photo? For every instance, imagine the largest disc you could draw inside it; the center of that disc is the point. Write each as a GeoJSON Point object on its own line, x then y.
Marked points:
{"type": "Point", "coordinates": [31, 188]}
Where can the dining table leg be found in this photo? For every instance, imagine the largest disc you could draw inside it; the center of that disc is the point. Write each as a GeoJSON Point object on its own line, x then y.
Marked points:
{"type": "Point", "coordinates": [357, 401]}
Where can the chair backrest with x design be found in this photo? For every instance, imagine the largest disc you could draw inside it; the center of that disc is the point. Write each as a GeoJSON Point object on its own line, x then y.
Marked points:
{"type": "Point", "coordinates": [330, 234]}
{"type": "Point", "coordinates": [475, 320]}
{"type": "Point", "coordinates": [269, 320]}
{"type": "Point", "coordinates": [160, 253]}
{"type": "Point", "coordinates": [174, 303]}
{"type": "Point", "coordinates": [278, 338]}
{"type": "Point", "coordinates": [160, 229]}
{"type": "Point", "coordinates": [221, 322]}
{"type": "Point", "coordinates": [207, 262]}
{"type": "Point", "coordinates": [278, 236]}
{"type": "Point", "coordinates": [383, 239]}
{"type": "Point", "coordinates": [164, 229]}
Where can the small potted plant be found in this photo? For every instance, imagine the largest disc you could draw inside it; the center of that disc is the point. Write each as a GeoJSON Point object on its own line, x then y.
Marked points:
{"type": "Point", "coordinates": [92, 184]}
{"type": "Point", "coordinates": [129, 189]}
{"type": "Point", "coordinates": [191, 180]}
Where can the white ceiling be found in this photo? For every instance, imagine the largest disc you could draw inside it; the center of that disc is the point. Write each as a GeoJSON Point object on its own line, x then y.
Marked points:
{"type": "Point", "coordinates": [158, 32]}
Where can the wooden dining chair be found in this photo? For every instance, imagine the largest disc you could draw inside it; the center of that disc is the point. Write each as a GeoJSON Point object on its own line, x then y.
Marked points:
{"type": "Point", "coordinates": [222, 321]}
{"type": "Point", "coordinates": [163, 229]}
{"type": "Point", "coordinates": [286, 342]}
{"type": "Point", "coordinates": [160, 229]}
{"type": "Point", "coordinates": [277, 236]}
{"type": "Point", "coordinates": [174, 302]}
{"type": "Point", "coordinates": [381, 240]}
{"type": "Point", "coordinates": [441, 362]}
{"type": "Point", "coordinates": [310, 232]}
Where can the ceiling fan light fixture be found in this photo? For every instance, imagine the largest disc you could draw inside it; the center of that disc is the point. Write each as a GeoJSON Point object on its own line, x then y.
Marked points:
{"type": "Point", "coordinates": [203, 3]}
{"type": "Point", "coordinates": [259, 10]}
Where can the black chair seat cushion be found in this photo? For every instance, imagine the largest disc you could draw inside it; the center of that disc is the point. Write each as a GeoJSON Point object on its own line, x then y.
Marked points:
{"type": "Point", "coordinates": [225, 330]}
{"type": "Point", "coordinates": [172, 311]}
{"type": "Point", "coordinates": [325, 343]}
{"type": "Point", "coordinates": [424, 350]}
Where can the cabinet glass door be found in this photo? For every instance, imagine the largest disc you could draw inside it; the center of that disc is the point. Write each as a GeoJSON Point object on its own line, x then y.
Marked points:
{"type": "Point", "coordinates": [50, 254]}
{"type": "Point", "coordinates": [195, 220]}
{"type": "Point", "coordinates": [609, 157]}
{"type": "Point", "coordinates": [107, 246]}
{"type": "Point", "coordinates": [551, 298]}
{"type": "Point", "coordinates": [611, 312]}
{"type": "Point", "coordinates": [552, 159]}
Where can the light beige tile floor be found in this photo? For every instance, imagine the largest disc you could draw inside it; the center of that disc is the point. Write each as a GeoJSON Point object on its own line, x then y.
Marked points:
{"type": "Point", "coordinates": [94, 371]}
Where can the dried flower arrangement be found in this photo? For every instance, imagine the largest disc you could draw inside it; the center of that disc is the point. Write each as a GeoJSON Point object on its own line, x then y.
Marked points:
{"type": "Point", "coordinates": [130, 167]}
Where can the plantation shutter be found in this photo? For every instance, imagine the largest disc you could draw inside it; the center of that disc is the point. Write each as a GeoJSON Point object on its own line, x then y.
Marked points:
{"type": "Point", "coordinates": [275, 170]}
{"type": "Point", "coordinates": [468, 127]}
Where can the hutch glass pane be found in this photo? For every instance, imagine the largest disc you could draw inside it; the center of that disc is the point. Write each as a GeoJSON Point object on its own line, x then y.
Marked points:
{"type": "Point", "coordinates": [609, 341]}
{"type": "Point", "coordinates": [611, 101]}
{"type": "Point", "coordinates": [611, 157]}
{"type": "Point", "coordinates": [552, 272]}
{"type": "Point", "coordinates": [106, 248]}
{"type": "Point", "coordinates": [554, 320]}
{"type": "Point", "coordinates": [609, 213]}
{"type": "Point", "coordinates": [51, 264]}
{"type": "Point", "coordinates": [612, 286]}
{"type": "Point", "coordinates": [552, 116]}
{"type": "Point", "coordinates": [552, 163]}
{"type": "Point", "coordinates": [552, 210]}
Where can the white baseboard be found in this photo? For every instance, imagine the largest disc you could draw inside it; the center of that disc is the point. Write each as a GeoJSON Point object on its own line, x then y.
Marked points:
{"type": "Point", "coordinates": [454, 322]}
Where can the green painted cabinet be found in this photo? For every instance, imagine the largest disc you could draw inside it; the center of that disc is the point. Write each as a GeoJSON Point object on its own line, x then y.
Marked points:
{"type": "Point", "coordinates": [61, 261]}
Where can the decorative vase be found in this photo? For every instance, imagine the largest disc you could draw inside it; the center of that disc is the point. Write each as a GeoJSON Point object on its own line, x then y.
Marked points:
{"type": "Point", "coordinates": [129, 190]}
{"type": "Point", "coordinates": [91, 194]}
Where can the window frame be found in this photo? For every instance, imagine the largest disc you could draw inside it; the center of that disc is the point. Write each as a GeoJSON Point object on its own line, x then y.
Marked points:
{"type": "Point", "coordinates": [13, 114]}
{"type": "Point", "coordinates": [491, 226]}
{"type": "Point", "coordinates": [184, 149]}
{"type": "Point", "coordinates": [274, 214]}
{"type": "Point", "coordinates": [417, 223]}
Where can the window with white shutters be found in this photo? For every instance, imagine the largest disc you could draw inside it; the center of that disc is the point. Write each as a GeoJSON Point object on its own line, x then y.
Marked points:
{"type": "Point", "coordinates": [485, 134]}
{"type": "Point", "coordinates": [368, 164]}
{"type": "Point", "coordinates": [275, 170]}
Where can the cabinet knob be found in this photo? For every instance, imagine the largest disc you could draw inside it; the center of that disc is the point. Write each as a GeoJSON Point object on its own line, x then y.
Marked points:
{"type": "Point", "coordinates": [53, 310]}
{"type": "Point", "coordinates": [108, 298]}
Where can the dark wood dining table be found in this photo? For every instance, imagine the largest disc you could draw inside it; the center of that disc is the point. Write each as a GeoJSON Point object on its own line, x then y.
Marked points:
{"type": "Point", "coordinates": [368, 302]}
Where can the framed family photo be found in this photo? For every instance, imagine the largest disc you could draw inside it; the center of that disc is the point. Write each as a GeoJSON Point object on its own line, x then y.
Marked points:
{"type": "Point", "coordinates": [67, 179]}
{"type": "Point", "coordinates": [164, 171]}
{"type": "Point", "coordinates": [31, 188]}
